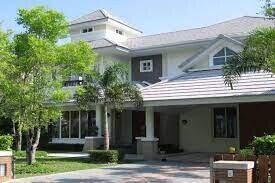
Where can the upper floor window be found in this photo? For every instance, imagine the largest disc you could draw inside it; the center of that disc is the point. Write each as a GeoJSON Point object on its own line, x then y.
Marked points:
{"type": "Point", "coordinates": [225, 122]}
{"type": "Point", "coordinates": [86, 30]}
{"type": "Point", "coordinates": [146, 66]}
{"type": "Point", "coordinates": [222, 56]}
{"type": "Point", "coordinates": [120, 32]}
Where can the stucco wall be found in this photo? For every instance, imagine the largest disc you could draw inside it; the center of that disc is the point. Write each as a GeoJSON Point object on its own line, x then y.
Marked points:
{"type": "Point", "coordinates": [197, 134]}
{"type": "Point", "coordinates": [169, 129]}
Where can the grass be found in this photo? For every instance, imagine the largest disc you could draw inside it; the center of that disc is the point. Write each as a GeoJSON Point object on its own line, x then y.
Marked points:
{"type": "Point", "coordinates": [50, 165]}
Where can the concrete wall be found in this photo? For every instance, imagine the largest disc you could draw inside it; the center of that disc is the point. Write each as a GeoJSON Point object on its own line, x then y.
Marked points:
{"type": "Point", "coordinates": [197, 134]}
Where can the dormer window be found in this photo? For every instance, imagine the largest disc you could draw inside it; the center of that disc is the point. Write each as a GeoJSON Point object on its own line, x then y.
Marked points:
{"type": "Point", "coordinates": [86, 30]}
{"type": "Point", "coordinates": [120, 32]}
{"type": "Point", "coordinates": [146, 66]}
{"type": "Point", "coordinates": [222, 56]}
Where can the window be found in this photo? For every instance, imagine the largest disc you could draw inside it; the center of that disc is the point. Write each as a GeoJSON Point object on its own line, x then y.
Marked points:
{"type": "Point", "coordinates": [223, 55]}
{"type": "Point", "coordinates": [146, 66]}
{"type": "Point", "coordinates": [225, 122]}
{"type": "Point", "coordinates": [3, 171]}
{"type": "Point", "coordinates": [120, 32]}
{"type": "Point", "coordinates": [88, 122]}
{"type": "Point", "coordinates": [86, 30]}
{"type": "Point", "coordinates": [65, 124]}
{"type": "Point", "coordinates": [74, 124]}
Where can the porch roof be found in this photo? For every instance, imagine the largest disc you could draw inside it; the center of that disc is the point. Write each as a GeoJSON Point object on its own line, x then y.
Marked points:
{"type": "Point", "coordinates": [197, 86]}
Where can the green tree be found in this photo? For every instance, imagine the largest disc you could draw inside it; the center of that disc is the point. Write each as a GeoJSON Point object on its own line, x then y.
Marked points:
{"type": "Point", "coordinates": [111, 89]}
{"type": "Point", "coordinates": [33, 86]}
{"type": "Point", "coordinates": [258, 53]}
{"type": "Point", "coordinates": [269, 8]}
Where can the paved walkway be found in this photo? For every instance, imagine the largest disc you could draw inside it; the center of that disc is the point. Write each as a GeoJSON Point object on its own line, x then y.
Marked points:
{"type": "Point", "coordinates": [69, 155]}
{"type": "Point", "coordinates": [160, 172]}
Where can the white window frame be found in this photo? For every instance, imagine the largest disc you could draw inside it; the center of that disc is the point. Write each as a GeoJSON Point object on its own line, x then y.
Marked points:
{"type": "Point", "coordinates": [3, 170]}
{"type": "Point", "coordinates": [212, 56]}
{"type": "Point", "coordinates": [143, 62]}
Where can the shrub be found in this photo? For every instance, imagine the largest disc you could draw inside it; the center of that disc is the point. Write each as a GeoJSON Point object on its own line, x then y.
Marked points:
{"type": "Point", "coordinates": [102, 156]}
{"type": "Point", "coordinates": [38, 154]}
{"type": "Point", "coordinates": [246, 152]}
{"type": "Point", "coordinates": [6, 142]}
{"type": "Point", "coordinates": [264, 145]}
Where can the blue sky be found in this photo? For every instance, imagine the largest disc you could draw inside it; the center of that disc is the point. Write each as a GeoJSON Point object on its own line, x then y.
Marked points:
{"type": "Point", "coordinates": [151, 16]}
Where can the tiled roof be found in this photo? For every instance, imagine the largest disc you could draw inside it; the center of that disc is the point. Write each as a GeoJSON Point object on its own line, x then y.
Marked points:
{"type": "Point", "coordinates": [209, 84]}
{"type": "Point", "coordinates": [98, 15]}
{"type": "Point", "coordinates": [231, 28]}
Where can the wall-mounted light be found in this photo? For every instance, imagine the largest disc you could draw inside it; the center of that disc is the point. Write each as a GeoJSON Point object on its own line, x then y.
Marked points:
{"type": "Point", "coordinates": [184, 122]}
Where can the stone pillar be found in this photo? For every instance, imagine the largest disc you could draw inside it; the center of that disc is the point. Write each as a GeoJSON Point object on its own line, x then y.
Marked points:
{"type": "Point", "coordinates": [233, 171]}
{"type": "Point", "coordinates": [99, 119]}
{"type": "Point", "coordinates": [5, 165]}
{"type": "Point", "coordinates": [148, 146]}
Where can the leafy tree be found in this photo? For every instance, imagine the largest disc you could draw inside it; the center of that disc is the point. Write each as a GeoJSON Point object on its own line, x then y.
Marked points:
{"type": "Point", "coordinates": [258, 53]}
{"type": "Point", "coordinates": [269, 8]}
{"type": "Point", "coordinates": [33, 86]}
{"type": "Point", "coordinates": [111, 89]}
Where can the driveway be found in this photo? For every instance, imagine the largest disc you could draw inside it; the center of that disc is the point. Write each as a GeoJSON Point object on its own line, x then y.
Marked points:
{"type": "Point", "coordinates": [132, 173]}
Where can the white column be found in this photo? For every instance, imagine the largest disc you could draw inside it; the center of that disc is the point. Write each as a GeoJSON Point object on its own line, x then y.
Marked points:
{"type": "Point", "coordinates": [98, 116]}
{"type": "Point", "coordinates": [149, 118]}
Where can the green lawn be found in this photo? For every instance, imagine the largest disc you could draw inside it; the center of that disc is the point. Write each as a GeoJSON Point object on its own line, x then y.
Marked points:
{"type": "Point", "coordinates": [49, 165]}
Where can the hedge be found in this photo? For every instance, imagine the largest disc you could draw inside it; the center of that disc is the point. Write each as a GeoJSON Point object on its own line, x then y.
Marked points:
{"type": "Point", "coordinates": [6, 142]}
{"type": "Point", "coordinates": [264, 145]}
{"type": "Point", "coordinates": [38, 154]}
{"type": "Point", "coordinates": [103, 156]}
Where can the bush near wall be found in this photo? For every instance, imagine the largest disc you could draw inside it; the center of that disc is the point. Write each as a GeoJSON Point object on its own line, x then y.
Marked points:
{"type": "Point", "coordinates": [6, 142]}
{"type": "Point", "coordinates": [38, 154]}
{"type": "Point", "coordinates": [103, 156]}
{"type": "Point", "coordinates": [264, 145]}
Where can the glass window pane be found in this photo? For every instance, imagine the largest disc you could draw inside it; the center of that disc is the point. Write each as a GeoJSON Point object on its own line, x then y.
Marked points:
{"type": "Point", "coordinates": [220, 53]}
{"type": "Point", "coordinates": [84, 124]}
{"type": "Point", "coordinates": [54, 129]}
{"type": "Point", "coordinates": [91, 123]}
{"type": "Point", "coordinates": [65, 125]}
{"type": "Point", "coordinates": [219, 61]}
{"type": "Point", "coordinates": [229, 52]}
{"type": "Point", "coordinates": [219, 122]}
{"type": "Point", "coordinates": [231, 114]}
{"type": "Point", "coordinates": [74, 124]}
{"type": "Point", "coordinates": [2, 170]}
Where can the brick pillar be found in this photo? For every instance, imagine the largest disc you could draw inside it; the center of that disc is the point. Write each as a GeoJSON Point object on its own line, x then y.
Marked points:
{"type": "Point", "coordinates": [6, 163]}
{"type": "Point", "coordinates": [233, 171]}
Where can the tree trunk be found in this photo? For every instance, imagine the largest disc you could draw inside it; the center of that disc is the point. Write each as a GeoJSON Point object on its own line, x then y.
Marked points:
{"type": "Point", "coordinates": [18, 135]}
{"type": "Point", "coordinates": [33, 137]}
{"type": "Point", "coordinates": [106, 129]}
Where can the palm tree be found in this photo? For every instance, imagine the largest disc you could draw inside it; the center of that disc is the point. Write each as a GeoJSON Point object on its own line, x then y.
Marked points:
{"type": "Point", "coordinates": [258, 55]}
{"type": "Point", "coordinates": [111, 89]}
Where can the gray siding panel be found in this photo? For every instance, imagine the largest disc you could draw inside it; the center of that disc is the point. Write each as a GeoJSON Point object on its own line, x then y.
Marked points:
{"type": "Point", "coordinates": [151, 77]}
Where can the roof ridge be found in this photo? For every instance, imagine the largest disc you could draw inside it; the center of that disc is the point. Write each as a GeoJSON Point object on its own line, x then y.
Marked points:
{"type": "Point", "coordinates": [207, 26]}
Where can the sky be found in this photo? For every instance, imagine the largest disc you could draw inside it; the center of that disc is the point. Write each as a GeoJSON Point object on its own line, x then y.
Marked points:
{"type": "Point", "coordinates": [150, 16]}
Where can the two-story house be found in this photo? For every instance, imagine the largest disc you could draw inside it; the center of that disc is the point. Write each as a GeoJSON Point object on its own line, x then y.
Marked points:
{"type": "Point", "coordinates": [186, 103]}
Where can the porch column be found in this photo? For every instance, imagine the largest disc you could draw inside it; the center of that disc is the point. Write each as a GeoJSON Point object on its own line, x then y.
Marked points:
{"type": "Point", "coordinates": [148, 146]}
{"type": "Point", "coordinates": [149, 120]}
{"type": "Point", "coordinates": [98, 116]}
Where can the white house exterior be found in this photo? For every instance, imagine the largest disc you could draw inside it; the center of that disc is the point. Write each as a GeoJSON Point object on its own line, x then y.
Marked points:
{"type": "Point", "coordinates": [186, 103]}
